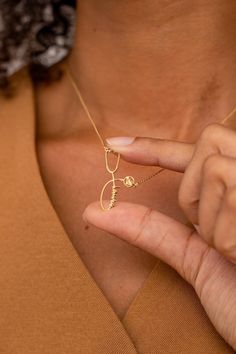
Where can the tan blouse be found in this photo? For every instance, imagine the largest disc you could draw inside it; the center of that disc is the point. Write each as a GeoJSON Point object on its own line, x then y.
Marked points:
{"type": "Point", "coordinates": [49, 303]}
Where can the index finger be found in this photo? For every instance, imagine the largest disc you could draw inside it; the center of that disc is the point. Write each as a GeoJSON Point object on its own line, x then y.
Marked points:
{"type": "Point", "coordinates": [168, 154]}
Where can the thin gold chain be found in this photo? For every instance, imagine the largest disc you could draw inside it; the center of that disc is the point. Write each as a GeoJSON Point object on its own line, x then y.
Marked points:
{"type": "Point", "coordinates": [84, 105]}
{"type": "Point", "coordinates": [87, 112]}
{"type": "Point", "coordinates": [151, 176]}
{"type": "Point", "coordinates": [79, 95]}
{"type": "Point", "coordinates": [163, 169]}
{"type": "Point", "coordinates": [228, 116]}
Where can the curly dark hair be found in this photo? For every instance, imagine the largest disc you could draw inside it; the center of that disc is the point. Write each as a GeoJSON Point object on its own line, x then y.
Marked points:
{"type": "Point", "coordinates": [34, 32]}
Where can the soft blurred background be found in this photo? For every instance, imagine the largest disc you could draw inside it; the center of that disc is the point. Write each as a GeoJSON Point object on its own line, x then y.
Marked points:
{"type": "Point", "coordinates": [42, 32]}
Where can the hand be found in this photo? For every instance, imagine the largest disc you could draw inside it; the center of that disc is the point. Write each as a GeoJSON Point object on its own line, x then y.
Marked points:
{"type": "Point", "coordinates": [207, 195]}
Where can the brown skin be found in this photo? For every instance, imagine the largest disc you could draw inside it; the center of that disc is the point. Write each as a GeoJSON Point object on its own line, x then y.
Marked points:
{"type": "Point", "coordinates": [146, 68]}
{"type": "Point", "coordinates": [207, 195]}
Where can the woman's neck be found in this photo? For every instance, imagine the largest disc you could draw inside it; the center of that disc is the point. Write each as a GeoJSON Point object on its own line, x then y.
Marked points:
{"type": "Point", "coordinates": [156, 67]}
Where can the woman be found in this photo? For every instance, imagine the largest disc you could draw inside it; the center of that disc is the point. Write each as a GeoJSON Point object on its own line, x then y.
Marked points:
{"type": "Point", "coordinates": [159, 278]}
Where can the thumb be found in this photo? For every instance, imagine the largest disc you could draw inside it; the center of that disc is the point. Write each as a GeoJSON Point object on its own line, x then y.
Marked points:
{"type": "Point", "coordinates": [172, 242]}
{"type": "Point", "coordinates": [169, 154]}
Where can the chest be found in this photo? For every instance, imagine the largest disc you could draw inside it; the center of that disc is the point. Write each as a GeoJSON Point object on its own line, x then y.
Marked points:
{"type": "Point", "coordinates": [73, 176]}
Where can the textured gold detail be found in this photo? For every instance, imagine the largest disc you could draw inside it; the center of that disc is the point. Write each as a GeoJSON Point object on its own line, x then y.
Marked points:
{"type": "Point", "coordinates": [114, 191]}
{"type": "Point", "coordinates": [129, 182]}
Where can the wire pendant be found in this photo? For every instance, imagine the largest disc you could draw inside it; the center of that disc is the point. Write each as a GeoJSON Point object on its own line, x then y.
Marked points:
{"type": "Point", "coordinates": [128, 181]}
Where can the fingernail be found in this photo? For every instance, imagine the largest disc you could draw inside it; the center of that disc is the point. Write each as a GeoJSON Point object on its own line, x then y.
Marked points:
{"type": "Point", "coordinates": [120, 140]}
{"type": "Point", "coordinates": [197, 227]}
{"type": "Point", "coordinates": [84, 217]}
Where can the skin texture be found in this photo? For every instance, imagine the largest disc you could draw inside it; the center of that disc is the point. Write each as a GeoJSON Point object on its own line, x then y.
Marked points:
{"type": "Point", "coordinates": [207, 195]}
{"type": "Point", "coordinates": [160, 69]}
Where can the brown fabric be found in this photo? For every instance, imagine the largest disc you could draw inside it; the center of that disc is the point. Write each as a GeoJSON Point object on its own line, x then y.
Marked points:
{"type": "Point", "coordinates": [49, 303]}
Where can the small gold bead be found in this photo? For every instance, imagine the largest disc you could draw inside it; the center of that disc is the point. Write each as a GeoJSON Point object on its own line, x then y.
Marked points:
{"type": "Point", "coordinates": [129, 181]}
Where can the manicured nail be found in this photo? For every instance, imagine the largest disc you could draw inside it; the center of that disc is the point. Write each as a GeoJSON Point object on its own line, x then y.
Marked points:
{"type": "Point", "coordinates": [84, 217]}
{"type": "Point", "coordinates": [120, 141]}
{"type": "Point", "coordinates": [197, 227]}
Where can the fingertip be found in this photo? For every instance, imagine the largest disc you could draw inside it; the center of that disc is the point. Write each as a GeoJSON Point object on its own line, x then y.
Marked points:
{"type": "Point", "coordinates": [94, 213]}
{"type": "Point", "coordinates": [90, 211]}
{"type": "Point", "coordinates": [112, 219]}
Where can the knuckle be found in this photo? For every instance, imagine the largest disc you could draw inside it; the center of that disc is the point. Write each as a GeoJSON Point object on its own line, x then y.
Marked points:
{"type": "Point", "coordinates": [211, 132]}
{"type": "Point", "coordinates": [139, 237]}
{"type": "Point", "coordinates": [212, 166]}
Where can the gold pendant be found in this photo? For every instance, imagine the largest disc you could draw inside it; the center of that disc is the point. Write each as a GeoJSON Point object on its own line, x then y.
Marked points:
{"type": "Point", "coordinates": [128, 181]}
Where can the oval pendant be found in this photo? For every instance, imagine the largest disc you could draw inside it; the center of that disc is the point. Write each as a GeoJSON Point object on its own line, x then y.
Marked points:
{"type": "Point", "coordinates": [107, 152]}
{"type": "Point", "coordinates": [114, 191]}
{"type": "Point", "coordinates": [128, 181]}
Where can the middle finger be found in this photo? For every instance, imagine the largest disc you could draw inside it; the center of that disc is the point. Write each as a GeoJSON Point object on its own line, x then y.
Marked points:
{"type": "Point", "coordinates": [219, 175]}
{"type": "Point", "coordinates": [215, 139]}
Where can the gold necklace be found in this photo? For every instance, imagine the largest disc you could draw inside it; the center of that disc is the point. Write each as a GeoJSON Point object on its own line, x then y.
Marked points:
{"type": "Point", "coordinates": [128, 181]}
